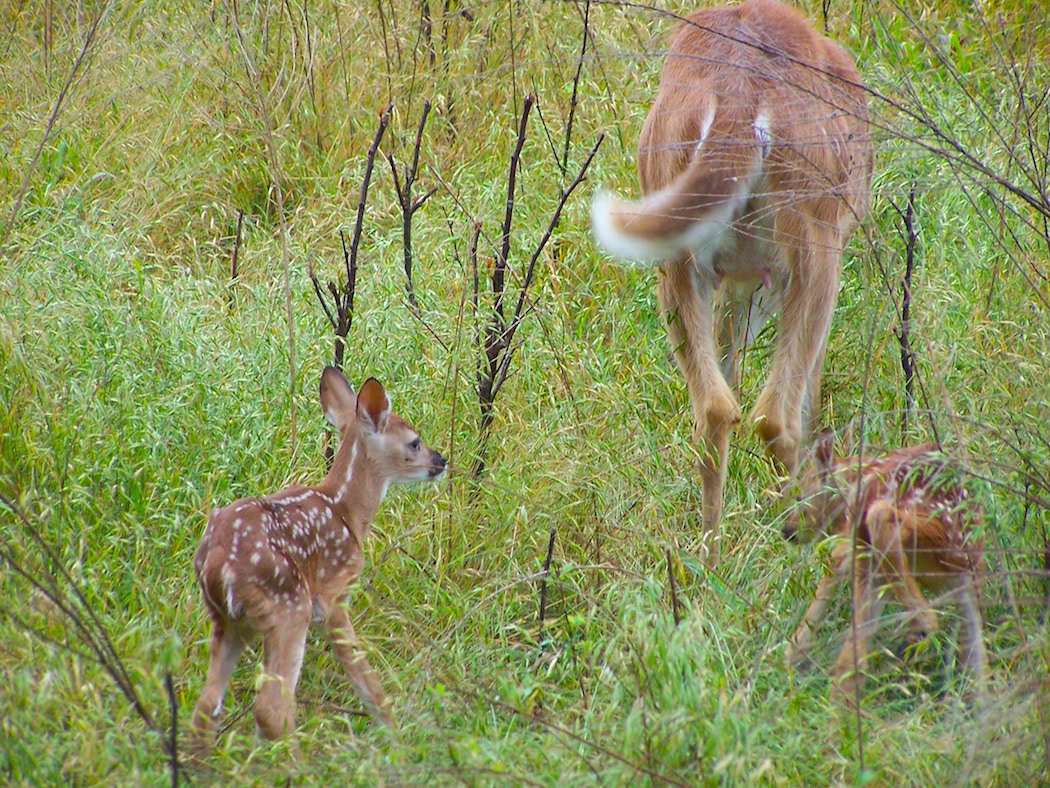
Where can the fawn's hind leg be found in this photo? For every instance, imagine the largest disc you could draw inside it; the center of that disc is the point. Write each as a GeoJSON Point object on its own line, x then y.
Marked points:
{"type": "Point", "coordinates": [283, 647]}
{"type": "Point", "coordinates": [226, 648]}
{"type": "Point", "coordinates": [971, 645]}
{"type": "Point", "coordinates": [348, 649]}
{"type": "Point", "coordinates": [885, 526]}
{"type": "Point", "coordinates": [687, 298]}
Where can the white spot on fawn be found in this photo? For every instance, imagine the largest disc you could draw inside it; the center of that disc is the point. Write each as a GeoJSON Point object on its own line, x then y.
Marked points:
{"type": "Point", "coordinates": [255, 558]}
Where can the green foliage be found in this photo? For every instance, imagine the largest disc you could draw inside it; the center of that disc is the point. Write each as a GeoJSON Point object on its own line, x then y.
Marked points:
{"type": "Point", "coordinates": [139, 386]}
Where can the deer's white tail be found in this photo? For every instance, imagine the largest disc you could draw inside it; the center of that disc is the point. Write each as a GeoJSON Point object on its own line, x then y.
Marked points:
{"type": "Point", "coordinates": [697, 207]}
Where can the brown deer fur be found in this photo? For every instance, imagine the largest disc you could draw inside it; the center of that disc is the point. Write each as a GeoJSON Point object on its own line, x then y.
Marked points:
{"type": "Point", "coordinates": [912, 518]}
{"type": "Point", "coordinates": [756, 162]}
{"type": "Point", "coordinates": [269, 566]}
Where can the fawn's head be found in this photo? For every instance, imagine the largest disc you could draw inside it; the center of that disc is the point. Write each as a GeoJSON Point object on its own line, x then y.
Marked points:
{"type": "Point", "coordinates": [391, 444]}
{"type": "Point", "coordinates": [816, 499]}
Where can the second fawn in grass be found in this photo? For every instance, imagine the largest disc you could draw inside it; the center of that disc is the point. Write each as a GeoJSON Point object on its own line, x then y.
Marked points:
{"type": "Point", "coordinates": [269, 566]}
{"type": "Point", "coordinates": [913, 518]}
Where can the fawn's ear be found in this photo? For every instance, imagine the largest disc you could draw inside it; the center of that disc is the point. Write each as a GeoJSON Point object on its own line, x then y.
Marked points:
{"type": "Point", "coordinates": [373, 406]}
{"type": "Point", "coordinates": [337, 398]}
{"type": "Point", "coordinates": [824, 450]}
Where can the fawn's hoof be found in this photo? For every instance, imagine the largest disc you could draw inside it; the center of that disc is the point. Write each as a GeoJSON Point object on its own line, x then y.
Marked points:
{"type": "Point", "coordinates": [798, 659]}
{"type": "Point", "coordinates": [914, 638]}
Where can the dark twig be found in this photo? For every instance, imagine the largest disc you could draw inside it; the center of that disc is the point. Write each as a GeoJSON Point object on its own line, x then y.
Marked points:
{"type": "Point", "coordinates": [79, 612]}
{"type": "Point", "coordinates": [234, 271]}
{"type": "Point", "coordinates": [310, 56]}
{"type": "Point", "coordinates": [403, 186]}
{"type": "Point", "coordinates": [576, 85]}
{"type": "Point", "coordinates": [543, 580]}
{"type": "Point", "coordinates": [426, 24]}
{"type": "Point", "coordinates": [384, 121]}
{"type": "Point", "coordinates": [341, 313]}
{"type": "Point", "coordinates": [547, 134]}
{"type": "Point", "coordinates": [495, 341]}
{"type": "Point", "coordinates": [904, 332]}
{"type": "Point", "coordinates": [498, 344]}
{"type": "Point", "coordinates": [92, 631]}
{"type": "Point", "coordinates": [519, 312]}
{"type": "Point", "coordinates": [173, 746]}
{"type": "Point", "coordinates": [386, 50]}
{"type": "Point", "coordinates": [500, 269]}
{"type": "Point", "coordinates": [674, 589]}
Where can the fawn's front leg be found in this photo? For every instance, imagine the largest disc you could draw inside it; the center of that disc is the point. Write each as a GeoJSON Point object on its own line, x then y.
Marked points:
{"type": "Point", "coordinates": [348, 649]}
{"type": "Point", "coordinates": [799, 645]}
{"type": "Point", "coordinates": [848, 675]}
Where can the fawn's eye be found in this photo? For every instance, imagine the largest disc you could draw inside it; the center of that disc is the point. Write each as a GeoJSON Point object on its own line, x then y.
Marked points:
{"type": "Point", "coordinates": [414, 445]}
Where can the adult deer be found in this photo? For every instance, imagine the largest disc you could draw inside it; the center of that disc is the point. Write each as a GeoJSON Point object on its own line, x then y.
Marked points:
{"type": "Point", "coordinates": [269, 566]}
{"type": "Point", "coordinates": [756, 164]}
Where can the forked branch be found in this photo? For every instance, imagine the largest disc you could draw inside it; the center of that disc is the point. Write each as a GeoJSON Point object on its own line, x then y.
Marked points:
{"type": "Point", "coordinates": [403, 185]}
{"type": "Point", "coordinates": [497, 342]}
{"type": "Point", "coordinates": [340, 312]}
{"type": "Point", "coordinates": [903, 333]}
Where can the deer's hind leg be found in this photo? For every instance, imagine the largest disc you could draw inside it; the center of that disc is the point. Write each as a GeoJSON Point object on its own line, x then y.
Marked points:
{"type": "Point", "coordinates": [687, 299]}
{"type": "Point", "coordinates": [814, 259]}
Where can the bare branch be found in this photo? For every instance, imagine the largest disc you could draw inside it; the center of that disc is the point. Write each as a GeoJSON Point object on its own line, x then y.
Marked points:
{"type": "Point", "coordinates": [500, 268]}
{"type": "Point", "coordinates": [403, 187]}
{"type": "Point", "coordinates": [576, 85]}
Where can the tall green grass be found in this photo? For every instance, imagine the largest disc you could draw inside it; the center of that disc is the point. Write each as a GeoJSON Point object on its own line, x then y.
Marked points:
{"type": "Point", "coordinates": [139, 387]}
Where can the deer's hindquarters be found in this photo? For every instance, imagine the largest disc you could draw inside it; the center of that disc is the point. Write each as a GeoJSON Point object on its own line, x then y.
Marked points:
{"type": "Point", "coordinates": [755, 164]}
{"type": "Point", "coordinates": [693, 212]}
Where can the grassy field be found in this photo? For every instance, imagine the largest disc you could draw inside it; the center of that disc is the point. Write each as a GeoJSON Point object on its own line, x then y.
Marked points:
{"type": "Point", "coordinates": [140, 385]}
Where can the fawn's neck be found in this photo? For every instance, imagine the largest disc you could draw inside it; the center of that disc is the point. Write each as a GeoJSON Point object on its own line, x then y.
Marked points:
{"type": "Point", "coordinates": [356, 490]}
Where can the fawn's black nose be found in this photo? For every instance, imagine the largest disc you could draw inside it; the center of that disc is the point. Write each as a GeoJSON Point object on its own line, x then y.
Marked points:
{"type": "Point", "coordinates": [790, 533]}
{"type": "Point", "coordinates": [438, 465]}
